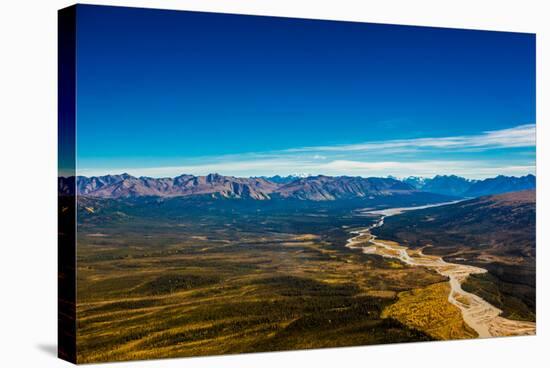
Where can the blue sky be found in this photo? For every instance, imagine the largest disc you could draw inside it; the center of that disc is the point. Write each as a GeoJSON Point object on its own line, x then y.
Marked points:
{"type": "Point", "coordinates": [162, 93]}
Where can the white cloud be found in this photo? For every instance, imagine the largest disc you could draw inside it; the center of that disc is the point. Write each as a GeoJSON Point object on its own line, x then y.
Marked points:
{"type": "Point", "coordinates": [427, 168]}
{"type": "Point", "coordinates": [401, 158]}
{"type": "Point", "coordinates": [519, 136]}
{"type": "Point", "coordinates": [236, 167]}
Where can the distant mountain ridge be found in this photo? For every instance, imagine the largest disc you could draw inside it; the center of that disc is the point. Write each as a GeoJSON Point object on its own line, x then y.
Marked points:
{"type": "Point", "coordinates": [458, 186]}
{"type": "Point", "coordinates": [501, 184]}
{"type": "Point", "coordinates": [314, 188]}
{"type": "Point", "coordinates": [284, 179]}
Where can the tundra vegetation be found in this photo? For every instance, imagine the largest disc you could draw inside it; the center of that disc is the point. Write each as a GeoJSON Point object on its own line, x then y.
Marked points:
{"type": "Point", "coordinates": [231, 280]}
{"type": "Point", "coordinates": [195, 276]}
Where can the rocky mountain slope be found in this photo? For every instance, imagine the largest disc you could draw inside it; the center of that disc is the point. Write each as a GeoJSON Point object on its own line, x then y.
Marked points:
{"type": "Point", "coordinates": [124, 186]}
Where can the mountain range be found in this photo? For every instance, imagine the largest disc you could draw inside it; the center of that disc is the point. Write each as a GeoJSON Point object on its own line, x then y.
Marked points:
{"type": "Point", "coordinates": [461, 187]}
{"type": "Point", "coordinates": [314, 188]}
{"type": "Point", "coordinates": [279, 179]}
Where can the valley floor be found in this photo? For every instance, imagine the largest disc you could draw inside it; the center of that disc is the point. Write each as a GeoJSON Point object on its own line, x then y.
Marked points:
{"type": "Point", "coordinates": [237, 283]}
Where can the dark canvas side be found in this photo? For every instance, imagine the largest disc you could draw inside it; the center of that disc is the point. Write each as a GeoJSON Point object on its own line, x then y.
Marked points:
{"type": "Point", "coordinates": [66, 257]}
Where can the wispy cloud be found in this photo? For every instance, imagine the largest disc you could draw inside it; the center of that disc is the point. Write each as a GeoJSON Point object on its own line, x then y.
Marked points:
{"type": "Point", "coordinates": [401, 158]}
{"type": "Point", "coordinates": [427, 168]}
{"type": "Point", "coordinates": [519, 136]}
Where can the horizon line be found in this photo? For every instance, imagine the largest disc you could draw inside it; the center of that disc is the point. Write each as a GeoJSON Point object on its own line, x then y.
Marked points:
{"type": "Point", "coordinates": [509, 151]}
{"type": "Point", "coordinates": [400, 178]}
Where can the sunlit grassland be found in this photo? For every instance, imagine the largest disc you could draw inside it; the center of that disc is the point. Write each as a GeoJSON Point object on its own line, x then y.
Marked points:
{"type": "Point", "coordinates": [427, 309]}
